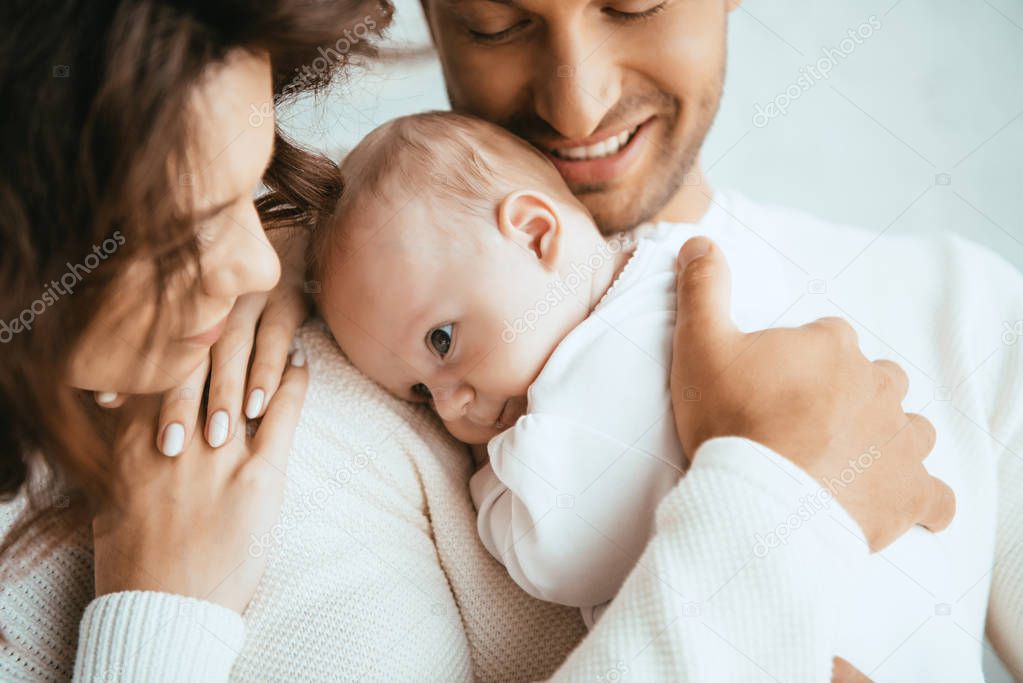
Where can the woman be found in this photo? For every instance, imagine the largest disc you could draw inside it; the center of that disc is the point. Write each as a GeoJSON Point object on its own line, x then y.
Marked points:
{"type": "Point", "coordinates": [137, 210]}
{"type": "Point", "coordinates": [135, 205]}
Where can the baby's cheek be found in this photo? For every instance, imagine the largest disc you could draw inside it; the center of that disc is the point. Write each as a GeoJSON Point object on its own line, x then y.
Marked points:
{"type": "Point", "coordinates": [513, 366]}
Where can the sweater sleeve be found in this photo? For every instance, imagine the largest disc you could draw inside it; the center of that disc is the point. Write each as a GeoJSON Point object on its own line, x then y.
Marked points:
{"type": "Point", "coordinates": [155, 637]}
{"type": "Point", "coordinates": [741, 581]}
{"type": "Point", "coordinates": [995, 307]}
{"type": "Point", "coordinates": [1005, 609]}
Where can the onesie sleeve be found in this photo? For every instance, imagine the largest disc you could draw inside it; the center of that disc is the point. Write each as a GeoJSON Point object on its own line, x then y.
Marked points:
{"type": "Point", "coordinates": [567, 509]}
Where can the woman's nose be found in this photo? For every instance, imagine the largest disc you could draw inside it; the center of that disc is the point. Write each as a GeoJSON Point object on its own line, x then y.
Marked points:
{"type": "Point", "coordinates": [451, 403]}
{"type": "Point", "coordinates": [242, 261]}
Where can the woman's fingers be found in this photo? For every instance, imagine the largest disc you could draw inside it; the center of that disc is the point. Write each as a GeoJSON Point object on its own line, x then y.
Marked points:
{"type": "Point", "coordinates": [180, 411]}
{"type": "Point", "coordinates": [286, 309]}
{"type": "Point", "coordinates": [284, 313]}
{"type": "Point", "coordinates": [230, 356]}
{"type": "Point", "coordinates": [257, 340]}
{"type": "Point", "coordinates": [277, 430]}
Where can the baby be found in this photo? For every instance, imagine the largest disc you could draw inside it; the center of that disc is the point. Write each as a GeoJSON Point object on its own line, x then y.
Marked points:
{"type": "Point", "coordinates": [458, 270]}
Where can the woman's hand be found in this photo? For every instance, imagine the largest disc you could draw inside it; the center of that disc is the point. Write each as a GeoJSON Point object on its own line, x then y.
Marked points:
{"type": "Point", "coordinates": [809, 394]}
{"type": "Point", "coordinates": [259, 329]}
{"type": "Point", "coordinates": [185, 525]}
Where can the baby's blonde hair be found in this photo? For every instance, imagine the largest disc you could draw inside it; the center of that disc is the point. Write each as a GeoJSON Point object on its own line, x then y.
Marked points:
{"type": "Point", "coordinates": [459, 160]}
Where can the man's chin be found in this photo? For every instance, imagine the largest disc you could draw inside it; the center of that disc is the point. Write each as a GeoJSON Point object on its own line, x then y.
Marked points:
{"type": "Point", "coordinates": [617, 209]}
{"type": "Point", "coordinates": [620, 207]}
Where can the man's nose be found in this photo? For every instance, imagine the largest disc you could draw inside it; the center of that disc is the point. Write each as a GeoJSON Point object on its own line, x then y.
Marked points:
{"type": "Point", "coordinates": [580, 82]}
{"type": "Point", "coordinates": [452, 402]}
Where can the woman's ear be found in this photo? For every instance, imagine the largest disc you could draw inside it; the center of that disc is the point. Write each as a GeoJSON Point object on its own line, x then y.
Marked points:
{"type": "Point", "coordinates": [532, 221]}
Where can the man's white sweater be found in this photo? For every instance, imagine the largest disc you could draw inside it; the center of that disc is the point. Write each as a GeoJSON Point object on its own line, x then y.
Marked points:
{"type": "Point", "coordinates": [376, 573]}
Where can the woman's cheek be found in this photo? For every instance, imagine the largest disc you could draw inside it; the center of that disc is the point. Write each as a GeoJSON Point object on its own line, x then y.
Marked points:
{"type": "Point", "coordinates": [117, 353]}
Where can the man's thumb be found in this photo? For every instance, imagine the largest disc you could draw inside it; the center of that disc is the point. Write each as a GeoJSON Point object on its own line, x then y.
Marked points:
{"type": "Point", "coordinates": [704, 290]}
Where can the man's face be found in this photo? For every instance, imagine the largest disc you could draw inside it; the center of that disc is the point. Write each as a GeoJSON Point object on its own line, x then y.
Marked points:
{"type": "Point", "coordinates": [619, 94]}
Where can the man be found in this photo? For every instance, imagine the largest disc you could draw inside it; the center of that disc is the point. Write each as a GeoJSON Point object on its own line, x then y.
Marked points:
{"type": "Point", "coordinates": [620, 95]}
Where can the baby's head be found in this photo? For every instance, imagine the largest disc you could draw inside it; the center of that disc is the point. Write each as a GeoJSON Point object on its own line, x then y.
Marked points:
{"type": "Point", "coordinates": [445, 269]}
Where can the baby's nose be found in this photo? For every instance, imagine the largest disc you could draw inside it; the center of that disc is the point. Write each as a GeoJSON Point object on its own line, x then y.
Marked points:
{"type": "Point", "coordinates": [451, 402]}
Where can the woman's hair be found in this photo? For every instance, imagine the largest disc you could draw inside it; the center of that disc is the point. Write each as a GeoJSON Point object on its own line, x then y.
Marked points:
{"type": "Point", "coordinates": [94, 135]}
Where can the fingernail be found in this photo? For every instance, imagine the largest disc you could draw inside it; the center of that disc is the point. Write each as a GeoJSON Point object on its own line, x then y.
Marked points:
{"type": "Point", "coordinates": [692, 250]}
{"type": "Point", "coordinates": [254, 404]}
{"type": "Point", "coordinates": [220, 425]}
{"type": "Point", "coordinates": [105, 397]}
{"type": "Point", "coordinates": [173, 439]}
{"type": "Point", "coordinates": [298, 358]}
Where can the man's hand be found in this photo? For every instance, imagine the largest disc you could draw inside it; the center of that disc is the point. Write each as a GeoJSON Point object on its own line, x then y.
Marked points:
{"type": "Point", "coordinates": [809, 394]}
{"type": "Point", "coordinates": [844, 672]}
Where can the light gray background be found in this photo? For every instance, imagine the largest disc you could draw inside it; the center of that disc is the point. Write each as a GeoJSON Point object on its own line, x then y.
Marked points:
{"type": "Point", "coordinates": [919, 128]}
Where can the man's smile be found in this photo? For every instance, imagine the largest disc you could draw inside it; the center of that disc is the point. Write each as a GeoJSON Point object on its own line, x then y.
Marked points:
{"type": "Point", "coordinates": [603, 157]}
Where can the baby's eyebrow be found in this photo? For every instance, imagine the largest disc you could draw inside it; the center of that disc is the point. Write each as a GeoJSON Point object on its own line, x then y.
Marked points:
{"type": "Point", "coordinates": [415, 323]}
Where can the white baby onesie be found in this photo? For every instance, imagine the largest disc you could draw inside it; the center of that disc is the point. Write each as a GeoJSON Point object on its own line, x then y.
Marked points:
{"type": "Point", "coordinates": [567, 500]}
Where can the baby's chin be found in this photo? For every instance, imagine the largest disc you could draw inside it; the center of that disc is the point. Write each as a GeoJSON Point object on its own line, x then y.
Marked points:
{"type": "Point", "coordinates": [472, 434]}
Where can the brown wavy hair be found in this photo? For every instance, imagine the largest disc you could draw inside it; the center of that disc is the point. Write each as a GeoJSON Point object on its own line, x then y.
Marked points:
{"type": "Point", "coordinates": [90, 132]}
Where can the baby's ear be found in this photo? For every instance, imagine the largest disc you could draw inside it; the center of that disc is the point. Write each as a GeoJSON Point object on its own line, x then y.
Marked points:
{"type": "Point", "coordinates": [532, 221]}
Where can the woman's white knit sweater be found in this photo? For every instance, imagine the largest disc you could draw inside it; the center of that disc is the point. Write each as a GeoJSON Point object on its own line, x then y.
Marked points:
{"type": "Point", "coordinates": [375, 571]}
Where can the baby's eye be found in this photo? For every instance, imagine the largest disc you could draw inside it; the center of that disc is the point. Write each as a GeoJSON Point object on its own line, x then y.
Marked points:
{"type": "Point", "coordinates": [419, 389]}
{"type": "Point", "coordinates": [440, 339]}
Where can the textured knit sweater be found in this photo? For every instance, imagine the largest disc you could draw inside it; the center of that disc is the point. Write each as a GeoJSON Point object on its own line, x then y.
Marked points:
{"type": "Point", "coordinates": [375, 570]}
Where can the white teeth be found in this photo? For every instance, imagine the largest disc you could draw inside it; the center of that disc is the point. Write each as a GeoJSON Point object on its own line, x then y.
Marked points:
{"type": "Point", "coordinates": [604, 148]}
